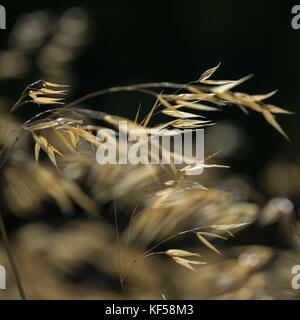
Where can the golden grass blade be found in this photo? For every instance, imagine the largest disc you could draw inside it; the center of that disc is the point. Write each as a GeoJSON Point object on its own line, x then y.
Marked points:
{"type": "Point", "coordinates": [77, 137]}
{"type": "Point", "coordinates": [186, 123]}
{"type": "Point", "coordinates": [196, 262]}
{"type": "Point", "coordinates": [73, 139]}
{"type": "Point", "coordinates": [51, 84]}
{"type": "Point", "coordinates": [275, 109]}
{"type": "Point", "coordinates": [212, 235]}
{"type": "Point", "coordinates": [184, 263]}
{"type": "Point", "coordinates": [187, 263]}
{"type": "Point", "coordinates": [196, 106]}
{"type": "Point", "coordinates": [260, 97]}
{"type": "Point", "coordinates": [203, 96]}
{"type": "Point", "coordinates": [240, 98]}
{"type": "Point", "coordinates": [230, 233]}
{"type": "Point", "coordinates": [180, 114]}
{"type": "Point", "coordinates": [50, 91]}
{"type": "Point", "coordinates": [44, 142]}
{"type": "Point", "coordinates": [58, 152]}
{"type": "Point", "coordinates": [150, 113]}
{"type": "Point", "coordinates": [197, 166]}
{"type": "Point", "coordinates": [81, 132]}
{"type": "Point", "coordinates": [50, 150]}
{"type": "Point", "coordinates": [270, 118]}
{"type": "Point", "coordinates": [228, 226]}
{"type": "Point", "coordinates": [137, 114]}
{"type": "Point", "coordinates": [37, 149]}
{"type": "Point", "coordinates": [42, 100]}
{"type": "Point", "coordinates": [164, 102]}
{"type": "Point", "coordinates": [51, 155]}
{"type": "Point", "coordinates": [216, 82]}
{"type": "Point", "coordinates": [207, 243]}
{"type": "Point", "coordinates": [64, 140]}
{"type": "Point", "coordinates": [180, 253]}
{"type": "Point", "coordinates": [229, 86]}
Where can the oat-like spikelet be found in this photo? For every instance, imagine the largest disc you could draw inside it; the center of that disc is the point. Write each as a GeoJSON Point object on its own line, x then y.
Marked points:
{"type": "Point", "coordinates": [40, 92]}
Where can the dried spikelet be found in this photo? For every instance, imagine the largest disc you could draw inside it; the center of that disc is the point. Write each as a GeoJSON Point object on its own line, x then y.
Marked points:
{"type": "Point", "coordinates": [42, 100]}
{"type": "Point", "coordinates": [180, 114]}
{"type": "Point", "coordinates": [213, 235]}
{"type": "Point", "coordinates": [196, 106]}
{"type": "Point", "coordinates": [226, 87]}
{"type": "Point", "coordinates": [270, 118]}
{"type": "Point", "coordinates": [69, 145]}
{"type": "Point", "coordinates": [50, 152]}
{"type": "Point", "coordinates": [244, 100]}
{"type": "Point", "coordinates": [180, 253]}
{"type": "Point", "coordinates": [51, 84]}
{"type": "Point", "coordinates": [37, 149]}
{"type": "Point", "coordinates": [50, 91]}
{"type": "Point", "coordinates": [39, 95]}
{"type": "Point", "coordinates": [260, 97]}
{"type": "Point", "coordinates": [150, 114]}
{"type": "Point", "coordinates": [207, 74]}
{"type": "Point", "coordinates": [230, 233]}
{"type": "Point", "coordinates": [275, 109]}
{"type": "Point", "coordinates": [187, 263]}
{"type": "Point", "coordinates": [42, 92]}
{"type": "Point", "coordinates": [137, 114]}
{"type": "Point", "coordinates": [207, 243]}
{"type": "Point", "coordinates": [216, 82]}
{"type": "Point", "coordinates": [188, 123]}
{"type": "Point", "coordinates": [49, 149]}
{"type": "Point", "coordinates": [76, 132]}
{"type": "Point", "coordinates": [44, 142]}
{"type": "Point", "coordinates": [197, 166]}
{"type": "Point", "coordinates": [164, 102]}
{"type": "Point", "coordinates": [73, 138]}
{"type": "Point", "coordinates": [227, 228]}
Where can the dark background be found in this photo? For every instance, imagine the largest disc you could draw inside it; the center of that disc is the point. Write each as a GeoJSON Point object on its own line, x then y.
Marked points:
{"type": "Point", "coordinates": [143, 41]}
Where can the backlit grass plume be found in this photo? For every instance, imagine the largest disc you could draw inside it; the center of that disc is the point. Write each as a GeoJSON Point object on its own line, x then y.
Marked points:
{"type": "Point", "coordinates": [161, 202]}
